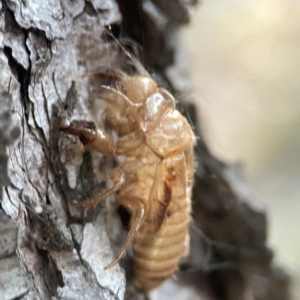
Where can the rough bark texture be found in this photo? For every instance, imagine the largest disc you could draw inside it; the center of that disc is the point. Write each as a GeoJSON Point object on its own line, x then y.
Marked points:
{"type": "Point", "coordinates": [48, 249]}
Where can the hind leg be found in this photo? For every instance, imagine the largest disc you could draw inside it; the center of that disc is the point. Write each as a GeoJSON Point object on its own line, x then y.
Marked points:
{"type": "Point", "coordinates": [136, 207]}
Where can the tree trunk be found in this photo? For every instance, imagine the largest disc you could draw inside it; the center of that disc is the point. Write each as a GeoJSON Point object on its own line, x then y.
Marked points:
{"type": "Point", "coordinates": [49, 249]}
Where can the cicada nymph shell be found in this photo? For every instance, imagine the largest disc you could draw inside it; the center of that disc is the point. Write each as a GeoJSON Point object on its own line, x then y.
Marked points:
{"type": "Point", "coordinates": [156, 178]}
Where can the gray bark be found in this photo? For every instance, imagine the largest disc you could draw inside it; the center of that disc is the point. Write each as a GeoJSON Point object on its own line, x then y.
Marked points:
{"type": "Point", "coordinates": [50, 250]}
{"type": "Point", "coordinates": [45, 49]}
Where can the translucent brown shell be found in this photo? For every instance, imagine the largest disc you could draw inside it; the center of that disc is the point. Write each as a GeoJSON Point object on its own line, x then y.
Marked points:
{"type": "Point", "coordinates": [156, 178]}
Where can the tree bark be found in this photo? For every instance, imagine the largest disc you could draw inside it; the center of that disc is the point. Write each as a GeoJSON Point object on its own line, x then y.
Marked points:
{"type": "Point", "coordinates": [50, 250]}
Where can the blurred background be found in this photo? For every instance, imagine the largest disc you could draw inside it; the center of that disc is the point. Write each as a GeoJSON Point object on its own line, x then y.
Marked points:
{"type": "Point", "coordinates": [245, 62]}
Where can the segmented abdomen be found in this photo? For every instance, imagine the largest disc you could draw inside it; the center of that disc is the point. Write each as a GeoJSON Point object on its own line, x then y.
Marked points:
{"type": "Point", "coordinates": [156, 255]}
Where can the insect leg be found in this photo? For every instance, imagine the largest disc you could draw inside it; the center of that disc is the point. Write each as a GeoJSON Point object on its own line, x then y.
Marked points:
{"type": "Point", "coordinates": [118, 178]}
{"type": "Point", "coordinates": [137, 208]}
{"type": "Point", "coordinates": [91, 137]}
{"type": "Point", "coordinates": [106, 73]}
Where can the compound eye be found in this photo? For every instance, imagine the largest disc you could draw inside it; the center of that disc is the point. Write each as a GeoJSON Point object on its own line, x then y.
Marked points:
{"type": "Point", "coordinates": [154, 106]}
{"type": "Point", "coordinates": [169, 99]}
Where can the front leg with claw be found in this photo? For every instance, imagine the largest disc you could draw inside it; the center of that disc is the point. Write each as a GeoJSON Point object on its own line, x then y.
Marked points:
{"type": "Point", "coordinates": [91, 137]}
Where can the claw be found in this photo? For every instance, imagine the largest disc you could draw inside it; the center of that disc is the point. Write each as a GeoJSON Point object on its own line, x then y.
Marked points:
{"type": "Point", "coordinates": [86, 131]}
